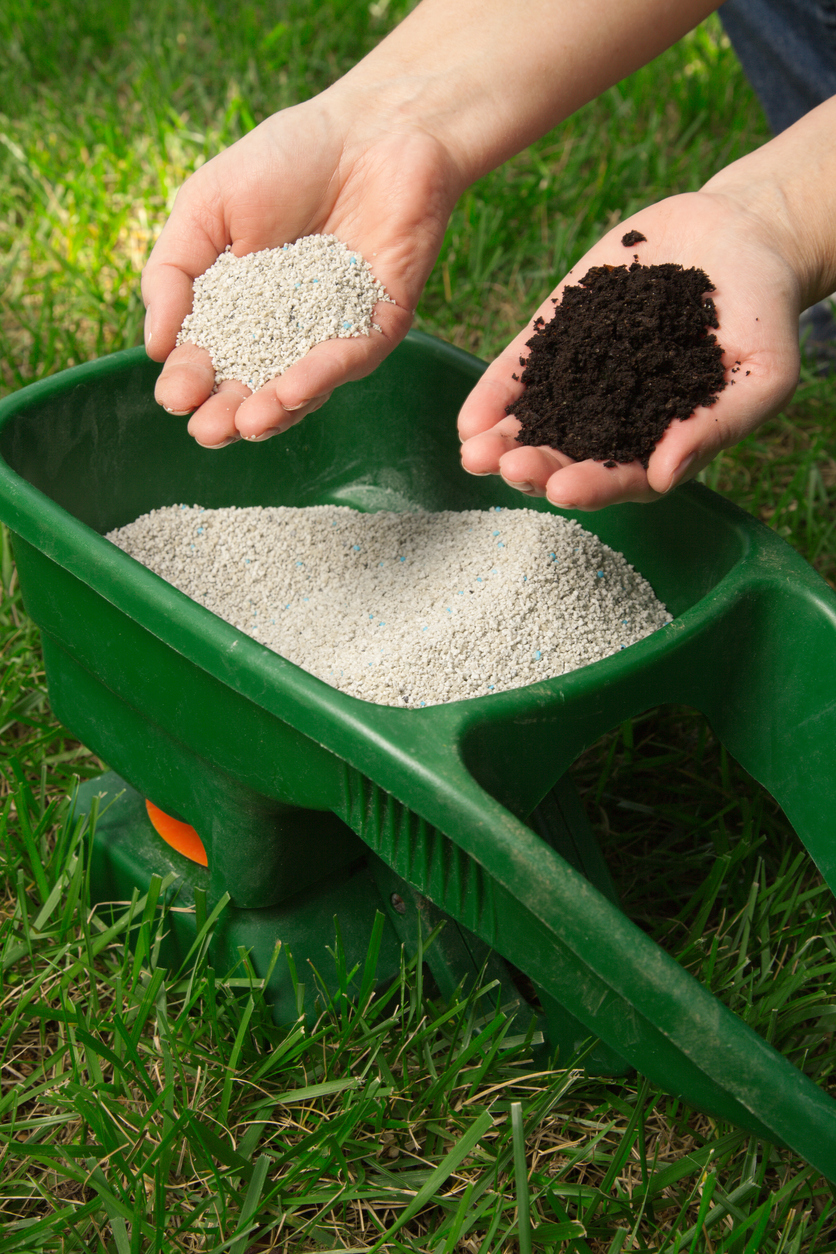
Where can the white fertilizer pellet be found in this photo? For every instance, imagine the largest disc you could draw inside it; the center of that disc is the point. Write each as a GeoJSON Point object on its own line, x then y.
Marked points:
{"type": "Point", "coordinates": [256, 315]}
{"type": "Point", "coordinates": [405, 609]}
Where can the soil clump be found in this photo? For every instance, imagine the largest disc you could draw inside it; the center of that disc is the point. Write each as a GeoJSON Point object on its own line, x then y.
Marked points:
{"type": "Point", "coordinates": [627, 351]}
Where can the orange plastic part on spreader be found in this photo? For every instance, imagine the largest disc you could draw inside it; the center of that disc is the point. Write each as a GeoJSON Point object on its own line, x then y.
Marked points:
{"type": "Point", "coordinates": [180, 836]}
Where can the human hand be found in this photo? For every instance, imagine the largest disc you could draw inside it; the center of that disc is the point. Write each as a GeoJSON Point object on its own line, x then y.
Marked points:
{"type": "Point", "coordinates": [384, 190]}
{"type": "Point", "coordinates": [757, 299]}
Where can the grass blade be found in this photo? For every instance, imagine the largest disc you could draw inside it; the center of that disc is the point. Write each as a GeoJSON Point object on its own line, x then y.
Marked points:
{"type": "Point", "coordinates": [521, 1178]}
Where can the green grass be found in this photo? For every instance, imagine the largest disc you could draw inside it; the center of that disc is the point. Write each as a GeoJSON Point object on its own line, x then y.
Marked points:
{"type": "Point", "coordinates": [145, 1109]}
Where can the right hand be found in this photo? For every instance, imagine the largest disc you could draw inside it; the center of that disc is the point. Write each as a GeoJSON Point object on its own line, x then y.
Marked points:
{"type": "Point", "coordinates": [386, 190]}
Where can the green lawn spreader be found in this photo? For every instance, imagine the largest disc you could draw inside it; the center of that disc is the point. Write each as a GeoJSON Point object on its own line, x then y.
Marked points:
{"type": "Point", "coordinates": [311, 804]}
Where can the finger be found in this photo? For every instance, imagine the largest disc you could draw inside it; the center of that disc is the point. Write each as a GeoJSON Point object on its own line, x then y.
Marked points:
{"type": "Point", "coordinates": [262, 415]}
{"type": "Point", "coordinates": [307, 384]}
{"type": "Point", "coordinates": [337, 361]}
{"type": "Point", "coordinates": [213, 424]}
{"type": "Point", "coordinates": [481, 454]}
{"type": "Point", "coordinates": [529, 469]}
{"type": "Point", "coordinates": [497, 389]}
{"type": "Point", "coordinates": [686, 447]}
{"type": "Point", "coordinates": [591, 485]}
{"type": "Point", "coordinates": [538, 471]}
{"type": "Point", "coordinates": [186, 380]}
{"type": "Point", "coordinates": [167, 292]}
{"type": "Point", "coordinates": [587, 485]}
{"type": "Point", "coordinates": [759, 389]}
{"type": "Point", "coordinates": [191, 241]}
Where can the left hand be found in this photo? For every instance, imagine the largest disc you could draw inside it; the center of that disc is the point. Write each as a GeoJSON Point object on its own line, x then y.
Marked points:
{"type": "Point", "coordinates": [758, 300]}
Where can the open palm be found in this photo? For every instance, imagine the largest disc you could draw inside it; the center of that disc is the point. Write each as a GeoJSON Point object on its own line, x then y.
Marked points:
{"type": "Point", "coordinates": [303, 171]}
{"type": "Point", "coordinates": [757, 302]}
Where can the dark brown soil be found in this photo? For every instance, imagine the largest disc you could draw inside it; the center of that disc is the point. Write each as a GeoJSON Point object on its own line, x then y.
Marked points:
{"type": "Point", "coordinates": [627, 351]}
{"type": "Point", "coordinates": [632, 238]}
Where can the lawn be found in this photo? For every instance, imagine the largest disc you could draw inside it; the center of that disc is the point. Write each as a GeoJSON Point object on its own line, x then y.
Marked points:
{"type": "Point", "coordinates": [147, 1109]}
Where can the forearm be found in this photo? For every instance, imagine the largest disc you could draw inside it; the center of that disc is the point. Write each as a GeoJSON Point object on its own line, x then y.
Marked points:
{"type": "Point", "coordinates": [789, 187]}
{"type": "Point", "coordinates": [487, 77]}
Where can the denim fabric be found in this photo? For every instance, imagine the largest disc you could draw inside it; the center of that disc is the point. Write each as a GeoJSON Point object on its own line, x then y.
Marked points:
{"type": "Point", "coordinates": [788, 50]}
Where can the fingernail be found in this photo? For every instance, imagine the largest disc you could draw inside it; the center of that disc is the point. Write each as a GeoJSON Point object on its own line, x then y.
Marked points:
{"type": "Point", "coordinates": [268, 434]}
{"type": "Point", "coordinates": [178, 413]}
{"type": "Point", "coordinates": [681, 470]}
{"type": "Point", "coordinates": [233, 439]}
{"type": "Point", "coordinates": [521, 485]}
{"type": "Point", "coordinates": [316, 401]}
{"type": "Point", "coordinates": [477, 474]}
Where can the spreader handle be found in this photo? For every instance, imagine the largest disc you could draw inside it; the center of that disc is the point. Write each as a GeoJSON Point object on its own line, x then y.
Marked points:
{"type": "Point", "coordinates": [773, 703]}
{"type": "Point", "coordinates": [489, 871]}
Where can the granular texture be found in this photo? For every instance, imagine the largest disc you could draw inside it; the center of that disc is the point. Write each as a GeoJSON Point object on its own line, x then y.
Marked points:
{"type": "Point", "coordinates": [405, 609]}
{"type": "Point", "coordinates": [256, 315]}
{"type": "Point", "coordinates": [626, 352]}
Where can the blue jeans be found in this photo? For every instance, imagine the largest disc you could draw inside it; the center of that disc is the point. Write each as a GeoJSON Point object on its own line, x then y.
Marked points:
{"type": "Point", "coordinates": [788, 51]}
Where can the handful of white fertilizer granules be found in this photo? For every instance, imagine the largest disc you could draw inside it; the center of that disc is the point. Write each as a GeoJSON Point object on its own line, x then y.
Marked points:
{"type": "Point", "coordinates": [405, 609]}
{"type": "Point", "coordinates": [256, 315]}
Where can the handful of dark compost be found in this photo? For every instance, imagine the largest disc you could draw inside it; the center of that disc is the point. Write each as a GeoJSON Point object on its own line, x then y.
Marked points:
{"type": "Point", "coordinates": [628, 350]}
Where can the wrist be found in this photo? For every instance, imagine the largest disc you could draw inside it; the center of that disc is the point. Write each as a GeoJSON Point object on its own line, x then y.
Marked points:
{"type": "Point", "coordinates": [785, 188]}
{"type": "Point", "coordinates": [401, 107]}
{"type": "Point", "coordinates": [382, 125]}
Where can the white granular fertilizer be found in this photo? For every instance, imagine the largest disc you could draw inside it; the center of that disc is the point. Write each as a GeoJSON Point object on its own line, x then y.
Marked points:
{"type": "Point", "coordinates": [256, 315]}
{"type": "Point", "coordinates": [405, 609]}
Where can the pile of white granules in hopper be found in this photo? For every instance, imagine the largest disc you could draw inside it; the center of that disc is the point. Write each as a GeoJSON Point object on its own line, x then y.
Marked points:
{"type": "Point", "coordinates": [256, 315]}
{"type": "Point", "coordinates": [405, 609]}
